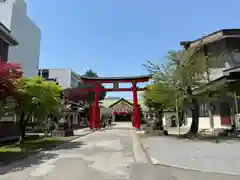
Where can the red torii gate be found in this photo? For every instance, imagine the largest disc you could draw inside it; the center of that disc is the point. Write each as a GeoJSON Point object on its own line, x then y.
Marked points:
{"type": "Point", "coordinates": [97, 81]}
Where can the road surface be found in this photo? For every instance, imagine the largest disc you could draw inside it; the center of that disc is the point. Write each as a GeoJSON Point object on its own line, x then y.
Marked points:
{"type": "Point", "coordinates": [113, 154]}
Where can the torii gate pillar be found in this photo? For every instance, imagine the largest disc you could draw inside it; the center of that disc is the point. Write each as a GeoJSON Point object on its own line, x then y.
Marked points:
{"type": "Point", "coordinates": [136, 112]}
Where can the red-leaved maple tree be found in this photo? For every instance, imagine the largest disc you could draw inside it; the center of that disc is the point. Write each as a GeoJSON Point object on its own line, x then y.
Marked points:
{"type": "Point", "coordinates": [76, 94]}
{"type": "Point", "coordinates": [10, 77]}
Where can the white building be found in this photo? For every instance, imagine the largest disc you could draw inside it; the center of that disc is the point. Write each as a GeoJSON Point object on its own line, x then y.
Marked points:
{"type": "Point", "coordinates": [65, 77]}
{"type": "Point", "coordinates": [13, 14]}
{"type": "Point", "coordinates": [223, 44]}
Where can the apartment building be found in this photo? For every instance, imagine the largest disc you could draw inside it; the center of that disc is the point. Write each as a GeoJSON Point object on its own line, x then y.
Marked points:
{"type": "Point", "coordinates": [65, 77]}
{"type": "Point", "coordinates": [13, 15]}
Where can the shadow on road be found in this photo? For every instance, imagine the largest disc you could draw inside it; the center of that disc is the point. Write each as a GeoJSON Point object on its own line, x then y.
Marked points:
{"type": "Point", "coordinates": [36, 158]}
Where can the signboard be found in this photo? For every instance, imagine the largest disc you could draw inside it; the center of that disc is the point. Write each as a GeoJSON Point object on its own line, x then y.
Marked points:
{"type": "Point", "coordinates": [115, 85]}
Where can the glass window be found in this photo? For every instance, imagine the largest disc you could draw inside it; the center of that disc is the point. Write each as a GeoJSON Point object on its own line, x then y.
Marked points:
{"type": "Point", "coordinates": [74, 80]}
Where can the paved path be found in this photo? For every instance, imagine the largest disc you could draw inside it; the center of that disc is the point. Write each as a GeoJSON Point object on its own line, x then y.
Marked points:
{"type": "Point", "coordinates": [99, 156]}
{"type": "Point", "coordinates": [113, 154]}
{"type": "Point", "coordinates": [199, 155]}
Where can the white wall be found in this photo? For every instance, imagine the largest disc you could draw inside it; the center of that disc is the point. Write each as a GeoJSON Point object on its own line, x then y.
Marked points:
{"type": "Point", "coordinates": [13, 14]}
{"type": "Point", "coordinates": [167, 118]}
{"type": "Point", "coordinates": [105, 111]}
{"type": "Point", "coordinates": [204, 122]}
{"type": "Point", "coordinates": [6, 13]}
{"type": "Point", "coordinates": [63, 76]}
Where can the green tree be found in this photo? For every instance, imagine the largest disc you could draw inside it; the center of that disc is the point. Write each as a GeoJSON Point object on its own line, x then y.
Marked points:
{"type": "Point", "coordinates": [158, 98]}
{"type": "Point", "coordinates": [38, 98]}
{"type": "Point", "coordinates": [183, 72]}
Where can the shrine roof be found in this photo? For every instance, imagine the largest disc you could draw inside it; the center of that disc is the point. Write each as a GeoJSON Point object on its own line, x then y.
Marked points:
{"type": "Point", "coordinates": [109, 101]}
{"type": "Point", "coordinates": [118, 78]}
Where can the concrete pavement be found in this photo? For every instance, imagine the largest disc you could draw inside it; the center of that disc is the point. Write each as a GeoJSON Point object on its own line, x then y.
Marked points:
{"type": "Point", "coordinates": [113, 154]}
{"type": "Point", "coordinates": [202, 156]}
{"type": "Point", "coordinates": [99, 155]}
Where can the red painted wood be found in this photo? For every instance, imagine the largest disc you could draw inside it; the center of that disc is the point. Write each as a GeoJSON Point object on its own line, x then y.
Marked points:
{"type": "Point", "coordinates": [90, 116]}
{"type": "Point", "coordinates": [98, 90]}
{"type": "Point", "coordinates": [96, 108]}
{"type": "Point", "coordinates": [226, 121]}
{"type": "Point", "coordinates": [136, 113]}
{"type": "Point", "coordinates": [110, 89]}
{"type": "Point", "coordinates": [120, 80]}
{"type": "Point", "coordinates": [122, 89]}
{"type": "Point", "coordinates": [111, 81]}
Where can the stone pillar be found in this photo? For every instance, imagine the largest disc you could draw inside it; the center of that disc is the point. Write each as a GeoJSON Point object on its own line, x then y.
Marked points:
{"type": "Point", "coordinates": [113, 117]}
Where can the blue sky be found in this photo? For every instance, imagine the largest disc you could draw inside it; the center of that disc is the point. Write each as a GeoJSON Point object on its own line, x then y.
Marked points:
{"type": "Point", "coordinates": [115, 37]}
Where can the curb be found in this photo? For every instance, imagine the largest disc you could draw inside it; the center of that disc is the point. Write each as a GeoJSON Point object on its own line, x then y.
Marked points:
{"type": "Point", "coordinates": [138, 151]}
{"type": "Point", "coordinates": [192, 169]}
{"type": "Point", "coordinates": [145, 151]}
{"type": "Point", "coordinates": [155, 162]}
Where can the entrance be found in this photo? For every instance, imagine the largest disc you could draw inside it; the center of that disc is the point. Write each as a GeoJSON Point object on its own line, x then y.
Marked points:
{"type": "Point", "coordinates": [94, 118]}
{"type": "Point", "coordinates": [123, 117]}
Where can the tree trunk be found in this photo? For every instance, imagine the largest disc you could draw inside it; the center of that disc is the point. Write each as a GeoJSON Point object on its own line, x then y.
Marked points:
{"type": "Point", "coordinates": [22, 128]}
{"type": "Point", "coordinates": [195, 113]}
{"type": "Point", "coordinates": [47, 128]}
{"type": "Point", "coordinates": [160, 119]}
{"type": "Point", "coordinates": [195, 117]}
{"type": "Point", "coordinates": [210, 113]}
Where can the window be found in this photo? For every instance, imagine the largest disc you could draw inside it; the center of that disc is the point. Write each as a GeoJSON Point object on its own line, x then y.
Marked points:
{"type": "Point", "coordinates": [45, 73]}
{"type": "Point", "coordinates": [74, 80]}
{"type": "Point", "coordinates": [203, 110]}
{"type": "Point", "coordinates": [236, 57]}
{"type": "Point", "coordinates": [3, 50]}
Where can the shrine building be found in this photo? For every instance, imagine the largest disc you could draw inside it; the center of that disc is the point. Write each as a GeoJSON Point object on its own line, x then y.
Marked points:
{"type": "Point", "coordinates": [119, 108]}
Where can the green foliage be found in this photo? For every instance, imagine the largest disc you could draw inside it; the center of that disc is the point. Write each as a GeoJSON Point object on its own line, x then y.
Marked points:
{"type": "Point", "coordinates": [90, 73]}
{"type": "Point", "coordinates": [39, 97]}
{"type": "Point", "coordinates": [182, 72]}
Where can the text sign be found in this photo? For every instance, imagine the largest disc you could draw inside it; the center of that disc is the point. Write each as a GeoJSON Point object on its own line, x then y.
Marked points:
{"type": "Point", "coordinates": [115, 85]}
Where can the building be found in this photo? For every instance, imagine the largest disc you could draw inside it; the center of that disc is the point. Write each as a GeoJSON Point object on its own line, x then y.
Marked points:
{"type": "Point", "coordinates": [119, 108]}
{"type": "Point", "coordinates": [6, 40]}
{"type": "Point", "coordinates": [65, 77]}
{"type": "Point", "coordinates": [223, 44]}
{"type": "Point", "coordinates": [8, 128]}
{"type": "Point", "coordinates": [13, 14]}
